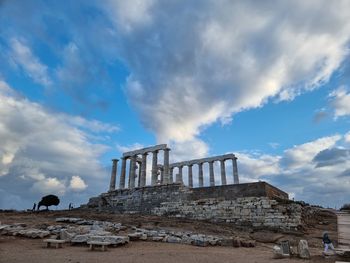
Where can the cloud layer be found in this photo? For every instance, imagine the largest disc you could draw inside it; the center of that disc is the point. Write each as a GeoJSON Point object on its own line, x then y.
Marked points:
{"type": "Point", "coordinates": [316, 171]}
{"type": "Point", "coordinates": [44, 152]}
{"type": "Point", "coordinates": [222, 57]}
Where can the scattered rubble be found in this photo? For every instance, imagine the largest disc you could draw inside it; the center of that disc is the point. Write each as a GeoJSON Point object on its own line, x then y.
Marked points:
{"type": "Point", "coordinates": [81, 231]}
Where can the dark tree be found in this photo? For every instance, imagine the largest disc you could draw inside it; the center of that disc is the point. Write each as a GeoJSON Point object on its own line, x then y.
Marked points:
{"type": "Point", "coordinates": [49, 200]}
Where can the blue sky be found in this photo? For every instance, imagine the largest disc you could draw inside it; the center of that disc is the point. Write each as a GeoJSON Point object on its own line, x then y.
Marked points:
{"type": "Point", "coordinates": [83, 81]}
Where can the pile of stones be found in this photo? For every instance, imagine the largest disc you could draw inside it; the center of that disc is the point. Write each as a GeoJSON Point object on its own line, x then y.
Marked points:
{"type": "Point", "coordinates": [21, 229]}
{"type": "Point", "coordinates": [188, 238]}
{"type": "Point", "coordinates": [81, 231]}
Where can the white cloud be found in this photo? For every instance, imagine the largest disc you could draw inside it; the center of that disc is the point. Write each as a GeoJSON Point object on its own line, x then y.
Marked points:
{"type": "Point", "coordinates": [316, 171]}
{"type": "Point", "coordinates": [77, 183]}
{"type": "Point", "coordinates": [41, 150]}
{"type": "Point", "coordinates": [347, 137]}
{"type": "Point", "coordinates": [23, 56]}
{"type": "Point", "coordinates": [340, 101]}
{"type": "Point", "coordinates": [252, 167]}
{"type": "Point", "coordinates": [219, 58]}
{"type": "Point", "coordinates": [48, 186]}
{"type": "Point", "coordinates": [301, 155]}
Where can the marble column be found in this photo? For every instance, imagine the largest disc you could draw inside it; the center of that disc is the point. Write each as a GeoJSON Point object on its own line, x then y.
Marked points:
{"type": "Point", "coordinates": [211, 173]}
{"type": "Point", "coordinates": [154, 167]}
{"type": "Point", "coordinates": [200, 175]}
{"type": "Point", "coordinates": [113, 174]}
{"type": "Point", "coordinates": [139, 175]}
{"type": "Point", "coordinates": [223, 172]}
{"type": "Point", "coordinates": [161, 175]}
{"type": "Point", "coordinates": [123, 173]}
{"type": "Point", "coordinates": [235, 171]}
{"type": "Point", "coordinates": [132, 172]}
{"type": "Point", "coordinates": [166, 167]}
{"type": "Point", "coordinates": [179, 175]}
{"type": "Point", "coordinates": [171, 172]}
{"type": "Point", "coordinates": [190, 176]}
{"type": "Point", "coordinates": [143, 169]}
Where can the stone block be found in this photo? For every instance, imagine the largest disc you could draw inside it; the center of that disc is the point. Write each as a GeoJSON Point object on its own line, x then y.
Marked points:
{"type": "Point", "coordinates": [303, 249]}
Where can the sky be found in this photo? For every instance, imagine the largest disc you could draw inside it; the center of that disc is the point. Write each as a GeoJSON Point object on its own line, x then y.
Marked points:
{"type": "Point", "coordinates": [83, 81]}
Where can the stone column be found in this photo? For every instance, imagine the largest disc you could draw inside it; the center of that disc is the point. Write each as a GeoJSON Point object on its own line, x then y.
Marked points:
{"type": "Point", "coordinates": [200, 175]}
{"type": "Point", "coordinates": [139, 175]}
{"type": "Point", "coordinates": [154, 167]}
{"type": "Point", "coordinates": [223, 172]}
{"type": "Point", "coordinates": [132, 172]}
{"type": "Point", "coordinates": [211, 173]}
{"type": "Point", "coordinates": [166, 167]}
{"type": "Point", "coordinates": [171, 179]}
{"type": "Point", "coordinates": [235, 171]}
{"type": "Point", "coordinates": [122, 174]}
{"type": "Point", "coordinates": [179, 175]}
{"type": "Point", "coordinates": [143, 169]}
{"type": "Point", "coordinates": [113, 174]}
{"type": "Point", "coordinates": [161, 175]}
{"type": "Point", "coordinates": [190, 176]}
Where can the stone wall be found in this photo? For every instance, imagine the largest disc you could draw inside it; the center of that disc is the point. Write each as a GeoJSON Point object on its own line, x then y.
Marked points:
{"type": "Point", "coordinates": [250, 204]}
{"type": "Point", "coordinates": [256, 212]}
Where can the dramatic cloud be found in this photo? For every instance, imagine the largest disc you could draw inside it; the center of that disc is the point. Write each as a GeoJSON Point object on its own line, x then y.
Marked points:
{"type": "Point", "coordinates": [219, 58]}
{"type": "Point", "coordinates": [43, 152]}
{"type": "Point", "coordinates": [316, 171]}
{"type": "Point", "coordinates": [340, 100]}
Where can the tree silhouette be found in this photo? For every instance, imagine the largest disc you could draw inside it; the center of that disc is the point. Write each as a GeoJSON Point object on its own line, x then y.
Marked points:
{"type": "Point", "coordinates": [49, 200]}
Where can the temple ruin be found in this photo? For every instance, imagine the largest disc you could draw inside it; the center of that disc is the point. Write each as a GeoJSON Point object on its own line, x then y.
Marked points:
{"type": "Point", "coordinates": [138, 161]}
{"type": "Point", "coordinates": [250, 204]}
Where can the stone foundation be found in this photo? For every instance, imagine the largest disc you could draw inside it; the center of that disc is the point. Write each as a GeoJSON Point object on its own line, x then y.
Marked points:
{"type": "Point", "coordinates": [251, 204]}
{"type": "Point", "coordinates": [256, 212]}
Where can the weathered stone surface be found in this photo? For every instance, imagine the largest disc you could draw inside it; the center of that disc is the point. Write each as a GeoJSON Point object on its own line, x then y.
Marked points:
{"type": "Point", "coordinates": [157, 239]}
{"type": "Point", "coordinates": [80, 238]}
{"type": "Point", "coordinates": [303, 249]}
{"type": "Point", "coordinates": [135, 236]}
{"type": "Point", "coordinates": [33, 233]}
{"type": "Point", "coordinates": [65, 235]}
{"type": "Point", "coordinates": [172, 239]}
{"type": "Point", "coordinates": [113, 240]}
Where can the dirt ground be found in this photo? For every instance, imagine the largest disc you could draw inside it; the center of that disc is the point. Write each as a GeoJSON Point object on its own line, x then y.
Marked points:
{"type": "Point", "coordinates": [16, 249]}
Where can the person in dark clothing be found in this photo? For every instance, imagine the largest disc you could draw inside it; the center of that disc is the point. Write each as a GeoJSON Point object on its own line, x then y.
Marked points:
{"type": "Point", "coordinates": [327, 242]}
{"type": "Point", "coordinates": [34, 206]}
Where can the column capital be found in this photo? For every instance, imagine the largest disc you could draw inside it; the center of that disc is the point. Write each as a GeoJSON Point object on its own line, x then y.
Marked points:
{"type": "Point", "coordinates": [115, 160]}
{"type": "Point", "coordinates": [155, 151]}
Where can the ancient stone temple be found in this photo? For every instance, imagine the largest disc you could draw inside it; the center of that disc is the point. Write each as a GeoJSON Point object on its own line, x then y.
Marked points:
{"type": "Point", "coordinates": [163, 174]}
{"type": "Point", "coordinates": [166, 193]}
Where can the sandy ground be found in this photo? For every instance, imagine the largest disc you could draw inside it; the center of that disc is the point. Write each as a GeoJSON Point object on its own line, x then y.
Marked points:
{"type": "Point", "coordinates": [28, 250]}
{"type": "Point", "coordinates": [16, 249]}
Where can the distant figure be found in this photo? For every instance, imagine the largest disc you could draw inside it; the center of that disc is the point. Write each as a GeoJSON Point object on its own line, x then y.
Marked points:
{"type": "Point", "coordinates": [327, 243]}
{"type": "Point", "coordinates": [34, 207]}
{"type": "Point", "coordinates": [70, 206]}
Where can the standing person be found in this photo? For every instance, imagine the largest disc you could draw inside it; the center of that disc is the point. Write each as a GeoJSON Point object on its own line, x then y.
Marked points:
{"type": "Point", "coordinates": [327, 242]}
{"type": "Point", "coordinates": [34, 206]}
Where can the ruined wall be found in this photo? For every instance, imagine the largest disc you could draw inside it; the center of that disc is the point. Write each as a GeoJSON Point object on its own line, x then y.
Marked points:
{"type": "Point", "coordinates": [256, 212]}
{"type": "Point", "coordinates": [250, 204]}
